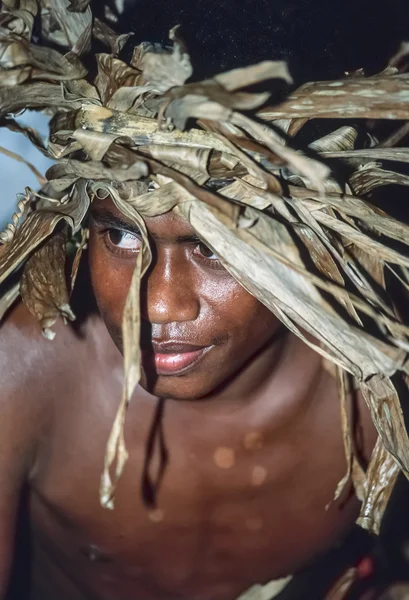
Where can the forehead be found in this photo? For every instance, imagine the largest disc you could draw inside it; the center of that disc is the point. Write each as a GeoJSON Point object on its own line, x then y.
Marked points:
{"type": "Point", "coordinates": [166, 227]}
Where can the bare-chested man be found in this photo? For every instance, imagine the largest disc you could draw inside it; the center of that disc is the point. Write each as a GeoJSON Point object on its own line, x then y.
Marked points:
{"type": "Point", "coordinates": [248, 435]}
{"type": "Point", "coordinates": [234, 436]}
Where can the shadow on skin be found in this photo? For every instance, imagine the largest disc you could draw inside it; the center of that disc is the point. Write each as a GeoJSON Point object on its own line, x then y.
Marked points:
{"type": "Point", "coordinates": [151, 477]}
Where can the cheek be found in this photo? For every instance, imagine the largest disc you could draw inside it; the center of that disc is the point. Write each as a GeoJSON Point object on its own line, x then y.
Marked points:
{"type": "Point", "coordinates": [246, 321]}
{"type": "Point", "coordinates": [111, 279]}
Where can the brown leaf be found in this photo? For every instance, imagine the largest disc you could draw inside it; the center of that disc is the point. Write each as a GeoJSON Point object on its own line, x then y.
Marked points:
{"type": "Point", "coordinates": [378, 97]}
{"type": "Point", "coordinates": [187, 159]}
{"type": "Point", "coordinates": [164, 70]}
{"type": "Point", "coordinates": [43, 285]}
{"type": "Point", "coordinates": [116, 452]}
{"type": "Point", "coordinates": [247, 76]}
{"type": "Point", "coordinates": [341, 589]}
{"type": "Point", "coordinates": [46, 63]}
{"type": "Point", "coordinates": [70, 29]}
{"type": "Point", "coordinates": [381, 477]}
{"type": "Point", "coordinates": [8, 298]}
{"type": "Point", "coordinates": [361, 239]}
{"type": "Point", "coordinates": [19, 17]}
{"type": "Point", "coordinates": [354, 472]}
{"type": "Point", "coordinates": [373, 218]}
{"type": "Point", "coordinates": [75, 169]}
{"type": "Point", "coordinates": [78, 5]}
{"type": "Point", "coordinates": [114, 74]}
{"type": "Point", "coordinates": [33, 95]}
{"type": "Point", "coordinates": [38, 226]}
{"type": "Point", "coordinates": [342, 139]}
{"type": "Point", "coordinates": [277, 284]}
{"type": "Point", "coordinates": [360, 157]}
{"type": "Point", "coordinates": [161, 200]}
{"type": "Point", "coordinates": [371, 176]}
{"type": "Point", "coordinates": [141, 130]}
{"type": "Point", "coordinates": [109, 37]}
{"type": "Point", "coordinates": [387, 415]}
{"type": "Point", "coordinates": [315, 172]}
{"type": "Point", "coordinates": [213, 99]}
{"type": "Point", "coordinates": [269, 591]}
{"type": "Point", "coordinates": [78, 255]}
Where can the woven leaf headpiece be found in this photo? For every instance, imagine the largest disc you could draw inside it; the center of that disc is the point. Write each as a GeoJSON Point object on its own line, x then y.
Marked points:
{"type": "Point", "coordinates": [302, 238]}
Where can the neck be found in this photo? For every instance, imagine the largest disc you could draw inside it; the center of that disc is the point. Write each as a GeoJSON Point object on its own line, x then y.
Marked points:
{"type": "Point", "coordinates": [255, 374]}
{"type": "Point", "coordinates": [279, 381]}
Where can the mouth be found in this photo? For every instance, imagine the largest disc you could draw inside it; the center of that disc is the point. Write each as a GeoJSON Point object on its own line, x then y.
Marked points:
{"type": "Point", "coordinates": [176, 358]}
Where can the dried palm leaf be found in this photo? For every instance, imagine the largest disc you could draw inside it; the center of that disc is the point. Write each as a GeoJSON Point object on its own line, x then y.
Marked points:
{"type": "Point", "coordinates": [43, 285]}
{"type": "Point", "coordinates": [141, 122]}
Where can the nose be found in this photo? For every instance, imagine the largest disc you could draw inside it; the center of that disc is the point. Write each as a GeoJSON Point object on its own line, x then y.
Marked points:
{"type": "Point", "coordinates": [169, 289]}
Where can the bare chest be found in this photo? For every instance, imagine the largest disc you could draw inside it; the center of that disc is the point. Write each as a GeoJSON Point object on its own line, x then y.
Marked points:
{"type": "Point", "coordinates": [206, 506]}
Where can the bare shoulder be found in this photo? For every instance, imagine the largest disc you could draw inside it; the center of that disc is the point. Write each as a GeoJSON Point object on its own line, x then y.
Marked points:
{"type": "Point", "coordinates": [27, 360]}
{"type": "Point", "coordinates": [22, 414]}
{"type": "Point", "coordinates": [34, 371]}
{"type": "Point", "coordinates": [21, 355]}
{"type": "Point", "coordinates": [24, 360]}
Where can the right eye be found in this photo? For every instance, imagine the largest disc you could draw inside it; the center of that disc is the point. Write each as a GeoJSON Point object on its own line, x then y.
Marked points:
{"type": "Point", "coordinates": [121, 242]}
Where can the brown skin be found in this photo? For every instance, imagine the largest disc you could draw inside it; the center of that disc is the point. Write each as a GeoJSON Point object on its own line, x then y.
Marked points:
{"type": "Point", "coordinates": [187, 296]}
{"type": "Point", "coordinates": [235, 488]}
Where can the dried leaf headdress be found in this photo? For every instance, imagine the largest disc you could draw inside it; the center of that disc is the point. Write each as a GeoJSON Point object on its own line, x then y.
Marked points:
{"type": "Point", "coordinates": [305, 242]}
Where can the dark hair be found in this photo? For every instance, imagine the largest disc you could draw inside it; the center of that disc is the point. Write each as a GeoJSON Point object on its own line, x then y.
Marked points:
{"type": "Point", "coordinates": [319, 38]}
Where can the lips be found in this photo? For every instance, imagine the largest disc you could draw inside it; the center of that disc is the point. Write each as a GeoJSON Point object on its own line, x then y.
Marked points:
{"type": "Point", "coordinates": [174, 358]}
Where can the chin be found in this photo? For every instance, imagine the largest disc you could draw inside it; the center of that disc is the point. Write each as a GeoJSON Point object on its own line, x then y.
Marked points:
{"type": "Point", "coordinates": [176, 387]}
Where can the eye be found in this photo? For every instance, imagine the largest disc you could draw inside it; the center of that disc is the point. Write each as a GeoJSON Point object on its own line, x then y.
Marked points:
{"type": "Point", "coordinates": [205, 251]}
{"type": "Point", "coordinates": [121, 240]}
{"type": "Point", "coordinates": [206, 255]}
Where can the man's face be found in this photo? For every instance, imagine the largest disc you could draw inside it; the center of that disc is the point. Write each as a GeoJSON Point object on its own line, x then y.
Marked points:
{"type": "Point", "coordinates": [200, 327]}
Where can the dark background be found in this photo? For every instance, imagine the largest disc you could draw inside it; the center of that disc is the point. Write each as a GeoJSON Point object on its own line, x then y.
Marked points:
{"type": "Point", "coordinates": [319, 38]}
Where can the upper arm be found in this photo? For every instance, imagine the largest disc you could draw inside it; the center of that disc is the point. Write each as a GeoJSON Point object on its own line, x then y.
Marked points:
{"type": "Point", "coordinates": [18, 421]}
{"type": "Point", "coordinates": [12, 473]}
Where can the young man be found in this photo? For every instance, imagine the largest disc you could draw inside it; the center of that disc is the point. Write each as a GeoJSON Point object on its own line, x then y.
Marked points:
{"type": "Point", "coordinates": [227, 483]}
{"type": "Point", "coordinates": [234, 437]}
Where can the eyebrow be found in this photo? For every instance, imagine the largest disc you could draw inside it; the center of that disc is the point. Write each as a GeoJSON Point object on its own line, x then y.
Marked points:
{"type": "Point", "coordinates": [108, 219]}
